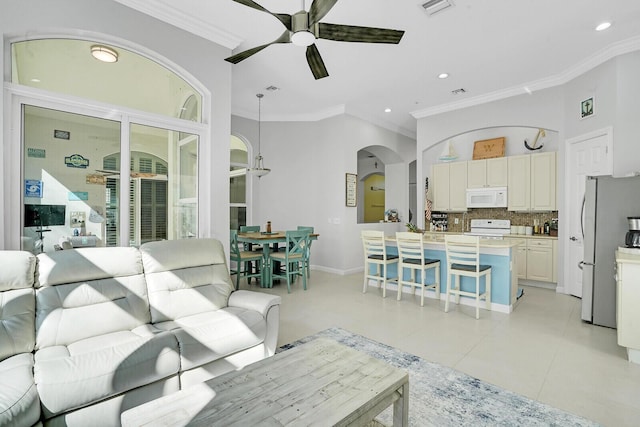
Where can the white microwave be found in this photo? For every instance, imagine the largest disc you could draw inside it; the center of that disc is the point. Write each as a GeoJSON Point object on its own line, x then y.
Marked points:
{"type": "Point", "coordinates": [489, 197]}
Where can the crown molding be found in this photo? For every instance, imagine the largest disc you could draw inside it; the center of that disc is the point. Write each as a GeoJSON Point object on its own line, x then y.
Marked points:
{"type": "Point", "coordinates": [183, 21]}
{"type": "Point", "coordinates": [306, 117]}
{"type": "Point", "coordinates": [610, 52]}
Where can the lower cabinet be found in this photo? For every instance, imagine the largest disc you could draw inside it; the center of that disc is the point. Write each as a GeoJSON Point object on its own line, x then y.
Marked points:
{"type": "Point", "coordinates": [536, 260]}
{"type": "Point", "coordinates": [540, 260]}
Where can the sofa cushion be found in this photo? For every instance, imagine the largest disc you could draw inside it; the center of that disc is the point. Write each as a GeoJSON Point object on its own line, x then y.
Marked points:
{"type": "Point", "coordinates": [17, 322]}
{"type": "Point", "coordinates": [19, 403]}
{"type": "Point", "coordinates": [99, 367]}
{"type": "Point", "coordinates": [89, 292]}
{"type": "Point", "coordinates": [17, 270]}
{"type": "Point", "coordinates": [206, 337]}
{"type": "Point", "coordinates": [185, 277]}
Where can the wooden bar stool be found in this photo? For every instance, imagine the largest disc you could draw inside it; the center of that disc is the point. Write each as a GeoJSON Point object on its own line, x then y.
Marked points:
{"type": "Point", "coordinates": [375, 253]}
{"type": "Point", "coordinates": [411, 253]}
{"type": "Point", "coordinates": [463, 259]}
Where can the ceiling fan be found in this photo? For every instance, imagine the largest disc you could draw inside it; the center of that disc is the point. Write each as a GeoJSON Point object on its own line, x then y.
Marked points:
{"type": "Point", "coordinates": [303, 28]}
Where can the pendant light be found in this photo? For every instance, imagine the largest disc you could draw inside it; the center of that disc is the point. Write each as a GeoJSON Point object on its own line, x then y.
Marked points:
{"type": "Point", "coordinates": [258, 168]}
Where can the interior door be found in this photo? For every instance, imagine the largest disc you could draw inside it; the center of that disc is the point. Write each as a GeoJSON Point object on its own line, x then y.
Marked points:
{"type": "Point", "coordinates": [588, 155]}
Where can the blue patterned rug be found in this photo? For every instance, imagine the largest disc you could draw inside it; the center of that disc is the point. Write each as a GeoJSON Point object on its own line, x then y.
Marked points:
{"type": "Point", "coordinates": [441, 396]}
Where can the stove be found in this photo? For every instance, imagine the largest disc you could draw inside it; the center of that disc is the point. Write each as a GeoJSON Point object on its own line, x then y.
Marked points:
{"type": "Point", "coordinates": [490, 228]}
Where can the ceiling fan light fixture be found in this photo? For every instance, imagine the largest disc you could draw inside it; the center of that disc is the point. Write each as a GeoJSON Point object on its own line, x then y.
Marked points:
{"type": "Point", "coordinates": [303, 38]}
{"type": "Point", "coordinates": [104, 53]}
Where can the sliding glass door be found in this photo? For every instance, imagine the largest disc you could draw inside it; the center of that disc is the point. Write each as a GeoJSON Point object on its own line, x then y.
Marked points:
{"type": "Point", "coordinates": [77, 194]}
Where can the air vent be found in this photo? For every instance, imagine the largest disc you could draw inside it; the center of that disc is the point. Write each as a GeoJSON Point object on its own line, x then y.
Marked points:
{"type": "Point", "coordinates": [434, 6]}
{"type": "Point", "coordinates": [459, 91]}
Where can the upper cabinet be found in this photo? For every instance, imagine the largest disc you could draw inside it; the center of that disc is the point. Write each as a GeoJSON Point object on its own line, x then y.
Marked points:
{"type": "Point", "coordinates": [543, 181]}
{"type": "Point", "coordinates": [532, 182]}
{"type": "Point", "coordinates": [449, 187]}
{"type": "Point", "coordinates": [487, 173]}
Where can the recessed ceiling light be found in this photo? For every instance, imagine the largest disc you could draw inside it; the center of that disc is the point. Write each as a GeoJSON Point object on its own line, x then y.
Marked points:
{"type": "Point", "coordinates": [387, 110]}
{"type": "Point", "coordinates": [35, 80]}
{"type": "Point", "coordinates": [104, 53]}
{"type": "Point", "coordinates": [603, 26]}
{"type": "Point", "coordinates": [443, 75]}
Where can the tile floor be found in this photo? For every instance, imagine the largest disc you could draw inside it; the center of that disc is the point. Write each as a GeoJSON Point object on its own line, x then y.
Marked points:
{"type": "Point", "coordinates": [542, 350]}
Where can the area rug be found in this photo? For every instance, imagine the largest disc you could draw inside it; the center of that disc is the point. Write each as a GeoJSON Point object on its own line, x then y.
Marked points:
{"type": "Point", "coordinates": [441, 396]}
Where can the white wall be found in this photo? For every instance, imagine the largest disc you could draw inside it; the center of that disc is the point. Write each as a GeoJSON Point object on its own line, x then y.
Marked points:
{"type": "Point", "coordinates": [307, 183]}
{"type": "Point", "coordinates": [77, 17]}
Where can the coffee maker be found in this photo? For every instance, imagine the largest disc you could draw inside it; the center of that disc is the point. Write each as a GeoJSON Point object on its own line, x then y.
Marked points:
{"type": "Point", "coordinates": [632, 239]}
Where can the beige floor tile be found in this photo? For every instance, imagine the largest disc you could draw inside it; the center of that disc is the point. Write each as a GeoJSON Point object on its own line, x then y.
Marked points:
{"type": "Point", "coordinates": [541, 350]}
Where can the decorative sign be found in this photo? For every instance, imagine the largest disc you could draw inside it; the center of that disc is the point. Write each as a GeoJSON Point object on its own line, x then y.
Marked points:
{"type": "Point", "coordinates": [76, 161]}
{"type": "Point", "coordinates": [586, 108]}
{"type": "Point", "coordinates": [96, 179]}
{"type": "Point", "coordinates": [36, 152]}
{"type": "Point", "coordinates": [62, 134]}
{"type": "Point", "coordinates": [489, 148]}
{"type": "Point", "coordinates": [76, 196]}
{"type": "Point", "coordinates": [33, 188]}
{"type": "Point", "coordinates": [351, 183]}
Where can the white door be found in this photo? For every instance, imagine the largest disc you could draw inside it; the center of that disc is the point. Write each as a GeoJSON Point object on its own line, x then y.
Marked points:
{"type": "Point", "coordinates": [587, 155]}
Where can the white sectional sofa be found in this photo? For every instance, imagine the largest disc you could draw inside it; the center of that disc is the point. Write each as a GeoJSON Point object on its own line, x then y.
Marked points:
{"type": "Point", "coordinates": [116, 327]}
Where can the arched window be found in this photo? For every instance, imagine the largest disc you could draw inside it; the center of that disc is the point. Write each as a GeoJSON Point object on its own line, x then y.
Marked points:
{"type": "Point", "coordinates": [135, 107]}
{"type": "Point", "coordinates": [238, 182]}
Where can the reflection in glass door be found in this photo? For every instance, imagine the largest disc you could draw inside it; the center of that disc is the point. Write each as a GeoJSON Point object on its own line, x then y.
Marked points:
{"type": "Point", "coordinates": [64, 200]}
{"type": "Point", "coordinates": [72, 174]}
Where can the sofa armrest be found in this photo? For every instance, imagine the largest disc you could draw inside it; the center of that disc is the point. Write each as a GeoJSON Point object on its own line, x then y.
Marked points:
{"type": "Point", "coordinates": [256, 301]}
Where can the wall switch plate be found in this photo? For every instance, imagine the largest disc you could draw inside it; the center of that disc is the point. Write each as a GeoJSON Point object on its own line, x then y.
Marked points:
{"type": "Point", "coordinates": [456, 221]}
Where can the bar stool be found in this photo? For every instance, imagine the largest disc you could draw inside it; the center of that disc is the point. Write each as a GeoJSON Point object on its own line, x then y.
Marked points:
{"type": "Point", "coordinates": [411, 253]}
{"type": "Point", "coordinates": [463, 259]}
{"type": "Point", "coordinates": [375, 253]}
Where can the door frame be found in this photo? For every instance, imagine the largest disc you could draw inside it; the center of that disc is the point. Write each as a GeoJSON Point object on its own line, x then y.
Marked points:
{"type": "Point", "coordinates": [565, 231]}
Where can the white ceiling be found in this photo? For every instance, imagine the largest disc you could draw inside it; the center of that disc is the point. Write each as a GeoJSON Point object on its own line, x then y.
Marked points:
{"type": "Point", "coordinates": [491, 48]}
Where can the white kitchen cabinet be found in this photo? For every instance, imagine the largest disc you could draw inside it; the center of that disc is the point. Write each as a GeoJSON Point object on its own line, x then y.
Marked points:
{"type": "Point", "coordinates": [521, 259]}
{"type": "Point", "coordinates": [487, 173]}
{"type": "Point", "coordinates": [519, 187]}
{"type": "Point", "coordinates": [627, 303]}
{"type": "Point", "coordinates": [449, 187]}
{"type": "Point", "coordinates": [532, 182]}
{"type": "Point", "coordinates": [440, 186]}
{"type": "Point", "coordinates": [458, 186]}
{"type": "Point", "coordinates": [554, 272]}
{"type": "Point", "coordinates": [543, 181]}
{"type": "Point", "coordinates": [540, 260]}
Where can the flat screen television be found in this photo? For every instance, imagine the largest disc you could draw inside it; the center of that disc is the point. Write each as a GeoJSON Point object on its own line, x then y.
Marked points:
{"type": "Point", "coordinates": [44, 215]}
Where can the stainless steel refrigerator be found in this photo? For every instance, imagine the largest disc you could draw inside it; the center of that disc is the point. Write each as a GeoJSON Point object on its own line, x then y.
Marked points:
{"type": "Point", "coordinates": [607, 203]}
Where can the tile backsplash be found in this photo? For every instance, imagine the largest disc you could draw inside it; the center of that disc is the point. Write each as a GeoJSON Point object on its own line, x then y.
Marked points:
{"type": "Point", "coordinates": [517, 218]}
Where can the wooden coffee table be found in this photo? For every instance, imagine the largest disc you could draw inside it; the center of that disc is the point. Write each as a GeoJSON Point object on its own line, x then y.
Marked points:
{"type": "Point", "coordinates": [318, 383]}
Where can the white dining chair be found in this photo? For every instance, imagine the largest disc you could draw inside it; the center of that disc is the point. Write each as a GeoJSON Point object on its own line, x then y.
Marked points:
{"type": "Point", "coordinates": [375, 254]}
{"type": "Point", "coordinates": [411, 256]}
{"type": "Point", "coordinates": [463, 259]}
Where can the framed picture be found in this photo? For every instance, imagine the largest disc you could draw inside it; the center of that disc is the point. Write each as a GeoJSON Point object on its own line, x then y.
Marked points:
{"type": "Point", "coordinates": [351, 189]}
{"type": "Point", "coordinates": [586, 108]}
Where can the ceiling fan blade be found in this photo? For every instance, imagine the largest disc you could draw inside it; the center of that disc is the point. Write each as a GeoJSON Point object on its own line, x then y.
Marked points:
{"type": "Point", "coordinates": [352, 33]}
{"type": "Point", "coordinates": [316, 63]}
{"type": "Point", "coordinates": [318, 10]}
{"type": "Point", "coordinates": [238, 57]}
{"type": "Point", "coordinates": [284, 18]}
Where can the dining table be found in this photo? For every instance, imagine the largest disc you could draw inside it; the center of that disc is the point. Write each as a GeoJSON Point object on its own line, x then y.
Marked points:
{"type": "Point", "coordinates": [270, 241]}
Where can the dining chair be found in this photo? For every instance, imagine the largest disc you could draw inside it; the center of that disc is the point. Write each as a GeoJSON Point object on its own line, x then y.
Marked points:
{"type": "Point", "coordinates": [375, 254]}
{"type": "Point", "coordinates": [294, 259]}
{"type": "Point", "coordinates": [242, 258]}
{"type": "Point", "coordinates": [311, 231]}
{"type": "Point", "coordinates": [254, 267]}
{"type": "Point", "coordinates": [463, 259]}
{"type": "Point", "coordinates": [411, 254]}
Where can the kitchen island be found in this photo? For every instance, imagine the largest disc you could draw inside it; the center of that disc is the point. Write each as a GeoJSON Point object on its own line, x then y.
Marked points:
{"type": "Point", "coordinates": [499, 254]}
